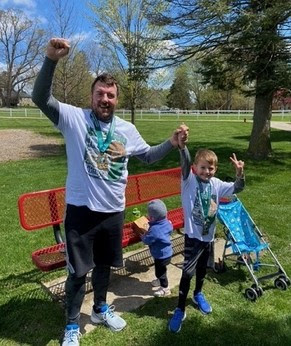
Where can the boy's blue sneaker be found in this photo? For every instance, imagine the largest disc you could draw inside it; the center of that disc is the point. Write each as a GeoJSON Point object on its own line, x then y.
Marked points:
{"type": "Point", "coordinates": [175, 323]}
{"type": "Point", "coordinates": [107, 317]}
{"type": "Point", "coordinates": [72, 335]}
{"type": "Point", "coordinates": [202, 304]}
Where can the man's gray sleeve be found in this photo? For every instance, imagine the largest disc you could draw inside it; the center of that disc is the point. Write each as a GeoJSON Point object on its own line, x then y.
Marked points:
{"type": "Point", "coordinates": [185, 162]}
{"type": "Point", "coordinates": [239, 184]}
{"type": "Point", "coordinates": [156, 152]}
{"type": "Point", "coordinates": [42, 91]}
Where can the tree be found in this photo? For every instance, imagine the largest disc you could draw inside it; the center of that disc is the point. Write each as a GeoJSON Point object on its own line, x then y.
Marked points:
{"type": "Point", "coordinates": [252, 36]}
{"type": "Point", "coordinates": [72, 78]}
{"type": "Point", "coordinates": [75, 81]}
{"type": "Point", "coordinates": [98, 57]}
{"type": "Point", "coordinates": [196, 81]}
{"type": "Point", "coordinates": [179, 95]}
{"type": "Point", "coordinates": [282, 99]}
{"type": "Point", "coordinates": [124, 29]}
{"type": "Point", "coordinates": [221, 75]}
{"type": "Point", "coordinates": [21, 43]}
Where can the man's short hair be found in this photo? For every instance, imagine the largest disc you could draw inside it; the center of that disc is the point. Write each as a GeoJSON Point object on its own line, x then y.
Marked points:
{"type": "Point", "coordinates": [105, 78]}
{"type": "Point", "coordinates": [207, 155]}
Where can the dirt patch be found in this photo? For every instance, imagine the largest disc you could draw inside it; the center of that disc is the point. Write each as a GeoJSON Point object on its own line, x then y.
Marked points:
{"type": "Point", "coordinates": [23, 144]}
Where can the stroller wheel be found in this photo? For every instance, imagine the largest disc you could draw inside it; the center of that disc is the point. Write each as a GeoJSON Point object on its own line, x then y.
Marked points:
{"type": "Point", "coordinates": [258, 289]}
{"type": "Point", "coordinates": [281, 284]}
{"type": "Point", "coordinates": [286, 279]}
{"type": "Point", "coordinates": [251, 294]}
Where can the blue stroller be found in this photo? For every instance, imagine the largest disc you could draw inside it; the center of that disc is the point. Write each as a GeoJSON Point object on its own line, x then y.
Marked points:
{"type": "Point", "coordinates": [244, 242]}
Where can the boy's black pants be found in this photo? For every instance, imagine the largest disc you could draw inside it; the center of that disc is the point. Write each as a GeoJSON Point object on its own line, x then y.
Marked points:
{"type": "Point", "coordinates": [196, 257]}
{"type": "Point", "coordinates": [161, 270]}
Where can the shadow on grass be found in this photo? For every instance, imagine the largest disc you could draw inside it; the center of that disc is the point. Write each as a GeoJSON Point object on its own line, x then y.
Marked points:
{"type": "Point", "coordinates": [31, 318]}
{"type": "Point", "coordinates": [233, 327]}
{"type": "Point", "coordinates": [46, 150]}
{"type": "Point", "coordinates": [13, 281]}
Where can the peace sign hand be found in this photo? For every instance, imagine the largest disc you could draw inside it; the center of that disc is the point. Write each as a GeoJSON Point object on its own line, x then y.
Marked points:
{"type": "Point", "coordinates": [238, 164]}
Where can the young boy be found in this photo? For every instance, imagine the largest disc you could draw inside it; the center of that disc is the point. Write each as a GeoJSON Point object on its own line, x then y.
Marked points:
{"type": "Point", "coordinates": [158, 238]}
{"type": "Point", "coordinates": [200, 198]}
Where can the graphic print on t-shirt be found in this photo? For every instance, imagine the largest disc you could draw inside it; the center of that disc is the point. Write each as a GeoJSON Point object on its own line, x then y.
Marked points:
{"type": "Point", "coordinates": [108, 165]}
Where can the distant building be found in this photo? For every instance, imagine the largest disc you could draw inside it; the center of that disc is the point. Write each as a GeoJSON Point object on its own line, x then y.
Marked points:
{"type": "Point", "coordinates": [25, 100]}
{"type": "Point", "coordinates": [22, 99]}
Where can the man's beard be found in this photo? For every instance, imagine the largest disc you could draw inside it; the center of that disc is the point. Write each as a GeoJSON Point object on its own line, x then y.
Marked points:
{"type": "Point", "coordinates": [100, 116]}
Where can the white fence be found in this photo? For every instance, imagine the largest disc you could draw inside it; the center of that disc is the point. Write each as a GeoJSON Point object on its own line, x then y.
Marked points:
{"type": "Point", "coordinates": [284, 115]}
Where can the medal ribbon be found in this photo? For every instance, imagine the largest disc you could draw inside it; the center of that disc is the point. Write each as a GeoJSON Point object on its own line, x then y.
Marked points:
{"type": "Point", "coordinates": [103, 144]}
{"type": "Point", "coordinates": [204, 199]}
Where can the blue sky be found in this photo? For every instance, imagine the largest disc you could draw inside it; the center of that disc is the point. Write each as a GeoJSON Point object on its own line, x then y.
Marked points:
{"type": "Point", "coordinates": [42, 9]}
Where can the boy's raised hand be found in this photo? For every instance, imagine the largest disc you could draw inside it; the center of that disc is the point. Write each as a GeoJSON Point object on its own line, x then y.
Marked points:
{"type": "Point", "coordinates": [180, 136]}
{"type": "Point", "coordinates": [57, 48]}
{"type": "Point", "coordinates": [183, 135]}
{"type": "Point", "coordinates": [238, 164]}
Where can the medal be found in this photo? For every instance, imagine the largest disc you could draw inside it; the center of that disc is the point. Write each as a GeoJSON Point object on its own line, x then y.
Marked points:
{"type": "Point", "coordinates": [102, 144]}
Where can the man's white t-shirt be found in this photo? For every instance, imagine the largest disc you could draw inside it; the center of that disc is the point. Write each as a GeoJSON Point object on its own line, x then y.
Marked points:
{"type": "Point", "coordinates": [97, 180]}
{"type": "Point", "coordinates": [193, 217]}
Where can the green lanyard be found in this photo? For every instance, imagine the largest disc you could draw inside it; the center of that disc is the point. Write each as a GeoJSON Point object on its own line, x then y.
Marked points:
{"type": "Point", "coordinates": [103, 145]}
{"type": "Point", "coordinates": [205, 199]}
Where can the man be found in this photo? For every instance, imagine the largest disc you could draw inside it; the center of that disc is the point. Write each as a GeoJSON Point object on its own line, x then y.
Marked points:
{"type": "Point", "coordinates": [98, 146]}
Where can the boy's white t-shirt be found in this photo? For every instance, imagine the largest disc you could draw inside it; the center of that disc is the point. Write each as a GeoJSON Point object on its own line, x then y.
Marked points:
{"type": "Point", "coordinates": [97, 180]}
{"type": "Point", "coordinates": [193, 217]}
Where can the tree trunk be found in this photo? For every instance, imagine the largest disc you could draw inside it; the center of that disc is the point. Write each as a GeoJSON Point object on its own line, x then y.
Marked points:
{"type": "Point", "coordinates": [8, 96]}
{"type": "Point", "coordinates": [132, 108]}
{"type": "Point", "coordinates": [133, 96]}
{"type": "Point", "coordinates": [260, 143]}
{"type": "Point", "coordinates": [132, 112]}
{"type": "Point", "coordinates": [229, 100]}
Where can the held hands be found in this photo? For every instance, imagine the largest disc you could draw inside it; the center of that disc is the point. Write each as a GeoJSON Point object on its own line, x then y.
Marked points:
{"type": "Point", "coordinates": [57, 48]}
{"type": "Point", "coordinates": [180, 136]}
{"type": "Point", "coordinates": [238, 164]}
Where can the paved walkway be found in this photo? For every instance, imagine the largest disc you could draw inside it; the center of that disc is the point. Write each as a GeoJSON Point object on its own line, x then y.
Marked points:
{"type": "Point", "coordinates": [130, 286]}
{"type": "Point", "coordinates": [279, 125]}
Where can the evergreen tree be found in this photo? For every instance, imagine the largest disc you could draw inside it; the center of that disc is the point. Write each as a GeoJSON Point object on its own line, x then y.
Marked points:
{"type": "Point", "coordinates": [179, 95]}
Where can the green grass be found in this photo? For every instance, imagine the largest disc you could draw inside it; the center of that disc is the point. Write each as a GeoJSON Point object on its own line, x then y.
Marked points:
{"type": "Point", "coordinates": [28, 316]}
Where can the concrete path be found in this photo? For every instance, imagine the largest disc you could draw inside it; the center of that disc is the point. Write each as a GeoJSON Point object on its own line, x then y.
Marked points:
{"type": "Point", "coordinates": [130, 286]}
{"type": "Point", "coordinates": [279, 125]}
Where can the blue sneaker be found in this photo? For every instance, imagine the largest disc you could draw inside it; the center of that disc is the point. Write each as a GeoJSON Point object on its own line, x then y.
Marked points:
{"type": "Point", "coordinates": [202, 304]}
{"type": "Point", "coordinates": [175, 323]}
{"type": "Point", "coordinates": [72, 335]}
{"type": "Point", "coordinates": [107, 317]}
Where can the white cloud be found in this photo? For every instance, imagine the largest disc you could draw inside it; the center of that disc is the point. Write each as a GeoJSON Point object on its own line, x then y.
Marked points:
{"type": "Point", "coordinates": [80, 37]}
{"type": "Point", "coordinates": [29, 7]}
{"type": "Point", "coordinates": [2, 67]}
{"type": "Point", "coordinates": [22, 3]}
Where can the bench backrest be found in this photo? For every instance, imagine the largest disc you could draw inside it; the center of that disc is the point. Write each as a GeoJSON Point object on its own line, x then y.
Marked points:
{"type": "Point", "coordinates": [47, 208]}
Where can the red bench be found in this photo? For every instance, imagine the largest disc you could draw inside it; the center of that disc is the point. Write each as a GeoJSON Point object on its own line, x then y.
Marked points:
{"type": "Point", "coordinates": [41, 209]}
